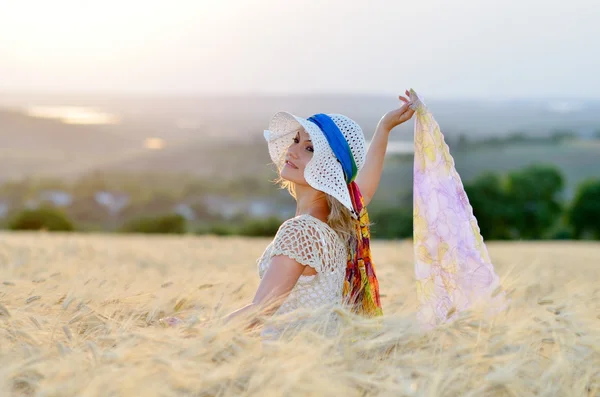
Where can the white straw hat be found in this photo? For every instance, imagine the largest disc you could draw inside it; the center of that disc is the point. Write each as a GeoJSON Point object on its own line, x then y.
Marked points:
{"type": "Point", "coordinates": [323, 172]}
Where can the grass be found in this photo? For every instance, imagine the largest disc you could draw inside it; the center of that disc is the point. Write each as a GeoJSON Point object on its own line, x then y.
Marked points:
{"type": "Point", "coordinates": [79, 317]}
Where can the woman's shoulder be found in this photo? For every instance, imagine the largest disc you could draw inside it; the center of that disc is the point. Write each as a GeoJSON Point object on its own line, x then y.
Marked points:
{"type": "Point", "coordinates": [300, 225]}
{"type": "Point", "coordinates": [309, 227]}
{"type": "Point", "coordinates": [309, 241]}
{"type": "Point", "coordinates": [305, 222]}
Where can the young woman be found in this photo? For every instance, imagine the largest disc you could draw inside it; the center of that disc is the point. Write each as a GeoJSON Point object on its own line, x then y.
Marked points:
{"type": "Point", "coordinates": [322, 256]}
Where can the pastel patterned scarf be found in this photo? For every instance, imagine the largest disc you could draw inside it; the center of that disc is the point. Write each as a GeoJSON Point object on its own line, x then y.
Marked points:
{"type": "Point", "coordinates": [452, 266]}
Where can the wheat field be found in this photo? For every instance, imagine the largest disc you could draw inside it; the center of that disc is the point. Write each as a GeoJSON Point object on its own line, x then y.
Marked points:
{"type": "Point", "coordinates": [79, 317]}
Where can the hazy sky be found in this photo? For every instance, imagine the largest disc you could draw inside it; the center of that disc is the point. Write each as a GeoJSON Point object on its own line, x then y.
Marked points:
{"type": "Point", "coordinates": [442, 48]}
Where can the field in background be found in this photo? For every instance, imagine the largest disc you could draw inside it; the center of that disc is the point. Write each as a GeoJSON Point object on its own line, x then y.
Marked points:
{"type": "Point", "coordinates": [78, 317]}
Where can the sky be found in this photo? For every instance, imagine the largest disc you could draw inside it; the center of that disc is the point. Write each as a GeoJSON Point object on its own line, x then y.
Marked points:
{"type": "Point", "coordinates": [509, 49]}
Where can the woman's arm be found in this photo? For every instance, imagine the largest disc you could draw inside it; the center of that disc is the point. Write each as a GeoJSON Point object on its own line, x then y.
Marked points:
{"type": "Point", "coordinates": [370, 175]}
{"type": "Point", "coordinates": [276, 284]}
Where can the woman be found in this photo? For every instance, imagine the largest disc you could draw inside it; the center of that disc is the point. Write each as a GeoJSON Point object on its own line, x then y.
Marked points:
{"type": "Point", "coordinates": [321, 256]}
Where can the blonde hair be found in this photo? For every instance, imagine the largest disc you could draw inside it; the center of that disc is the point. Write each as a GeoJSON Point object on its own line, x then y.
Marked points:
{"type": "Point", "coordinates": [339, 218]}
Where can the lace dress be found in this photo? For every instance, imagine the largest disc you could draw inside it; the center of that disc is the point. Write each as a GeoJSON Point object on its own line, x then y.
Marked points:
{"type": "Point", "coordinates": [311, 242]}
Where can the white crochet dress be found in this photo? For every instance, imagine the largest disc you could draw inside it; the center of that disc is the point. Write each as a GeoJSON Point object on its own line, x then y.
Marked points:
{"type": "Point", "coordinates": [311, 242]}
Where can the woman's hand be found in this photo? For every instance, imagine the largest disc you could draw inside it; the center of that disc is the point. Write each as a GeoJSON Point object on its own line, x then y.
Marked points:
{"type": "Point", "coordinates": [398, 116]}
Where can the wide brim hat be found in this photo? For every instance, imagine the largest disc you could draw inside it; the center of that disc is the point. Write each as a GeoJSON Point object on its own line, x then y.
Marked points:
{"type": "Point", "coordinates": [323, 172]}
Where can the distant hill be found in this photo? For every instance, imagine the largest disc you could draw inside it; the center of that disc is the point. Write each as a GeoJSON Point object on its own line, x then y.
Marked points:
{"type": "Point", "coordinates": [21, 132]}
{"type": "Point", "coordinates": [31, 145]}
{"type": "Point", "coordinates": [227, 116]}
{"type": "Point", "coordinates": [223, 135]}
{"type": "Point", "coordinates": [224, 159]}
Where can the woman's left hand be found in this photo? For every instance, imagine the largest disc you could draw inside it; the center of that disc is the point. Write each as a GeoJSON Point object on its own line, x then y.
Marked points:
{"type": "Point", "coordinates": [398, 116]}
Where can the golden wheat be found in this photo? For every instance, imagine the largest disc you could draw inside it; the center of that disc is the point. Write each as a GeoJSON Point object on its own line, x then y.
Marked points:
{"type": "Point", "coordinates": [79, 317]}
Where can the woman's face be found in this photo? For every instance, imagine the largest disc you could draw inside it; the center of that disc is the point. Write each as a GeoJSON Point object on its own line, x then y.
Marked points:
{"type": "Point", "coordinates": [298, 154]}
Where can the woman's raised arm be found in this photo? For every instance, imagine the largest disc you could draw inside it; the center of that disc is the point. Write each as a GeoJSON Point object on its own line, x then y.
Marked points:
{"type": "Point", "coordinates": [369, 176]}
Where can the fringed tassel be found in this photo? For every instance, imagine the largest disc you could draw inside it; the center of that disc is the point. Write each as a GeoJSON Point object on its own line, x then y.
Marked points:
{"type": "Point", "coordinates": [361, 287]}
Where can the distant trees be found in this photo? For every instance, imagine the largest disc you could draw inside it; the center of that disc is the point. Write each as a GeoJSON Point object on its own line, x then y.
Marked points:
{"type": "Point", "coordinates": [533, 199]}
{"type": "Point", "coordinates": [521, 204]}
{"type": "Point", "coordinates": [266, 227]}
{"type": "Point", "coordinates": [161, 224]}
{"type": "Point", "coordinates": [44, 218]}
{"type": "Point", "coordinates": [527, 204]}
{"type": "Point", "coordinates": [392, 222]}
{"type": "Point", "coordinates": [524, 204]}
{"type": "Point", "coordinates": [170, 223]}
{"type": "Point", "coordinates": [158, 203]}
{"type": "Point", "coordinates": [243, 226]}
{"type": "Point", "coordinates": [584, 213]}
{"type": "Point", "coordinates": [489, 199]}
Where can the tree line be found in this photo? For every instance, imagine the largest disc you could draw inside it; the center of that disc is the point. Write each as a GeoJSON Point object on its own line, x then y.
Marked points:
{"type": "Point", "coordinates": [523, 204]}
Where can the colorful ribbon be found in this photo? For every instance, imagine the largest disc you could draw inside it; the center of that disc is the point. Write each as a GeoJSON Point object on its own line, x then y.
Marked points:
{"type": "Point", "coordinates": [361, 288]}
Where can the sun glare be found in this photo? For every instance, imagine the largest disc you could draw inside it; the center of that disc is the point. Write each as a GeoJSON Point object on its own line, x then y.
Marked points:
{"type": "Point", "coordinates": [154, 143]}
{"type": "Point", "coordinates": [72, 114]}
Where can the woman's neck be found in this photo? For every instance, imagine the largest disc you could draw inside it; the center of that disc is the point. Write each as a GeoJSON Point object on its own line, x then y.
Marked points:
{"type": "Point", "coordinates": [312, 202]}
